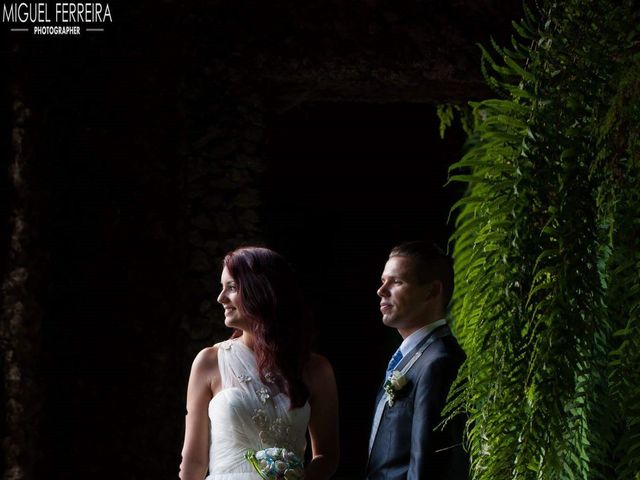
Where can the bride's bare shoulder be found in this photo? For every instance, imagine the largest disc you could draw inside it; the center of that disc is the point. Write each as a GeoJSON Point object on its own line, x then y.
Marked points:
{"type": "Point", "coordinates": [205, 371]}
{"type": "Point", "coordinates": [206, 360]}
{"type": "Point", "coordinates": [317, 363]}
{"type": "Point", "coordinates": [318, 371]}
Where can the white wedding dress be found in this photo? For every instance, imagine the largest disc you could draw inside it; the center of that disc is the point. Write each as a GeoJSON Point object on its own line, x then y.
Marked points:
{"type": "Point", "coordinates": [249, 415]}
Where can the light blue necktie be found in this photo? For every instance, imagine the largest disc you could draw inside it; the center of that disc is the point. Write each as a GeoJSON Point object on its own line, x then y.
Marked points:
{"type": "Point", "coordinates": [395, 360]}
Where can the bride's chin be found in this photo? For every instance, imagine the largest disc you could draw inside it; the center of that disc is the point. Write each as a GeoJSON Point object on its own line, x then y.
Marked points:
{"type": "Point", "coordinates": [234, 323]}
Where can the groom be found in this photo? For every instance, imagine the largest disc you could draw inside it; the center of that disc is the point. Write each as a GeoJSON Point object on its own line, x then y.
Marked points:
{"type": "Point", "coordinates": [417, 283]}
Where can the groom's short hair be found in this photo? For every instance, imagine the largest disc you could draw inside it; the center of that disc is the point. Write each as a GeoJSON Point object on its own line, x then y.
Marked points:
{"type": "Point", "coordinates": [429, 263]}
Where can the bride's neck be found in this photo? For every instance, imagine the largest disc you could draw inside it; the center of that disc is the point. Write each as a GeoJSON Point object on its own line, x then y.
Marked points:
{"type": "Point", "coordinates": [247, 339]}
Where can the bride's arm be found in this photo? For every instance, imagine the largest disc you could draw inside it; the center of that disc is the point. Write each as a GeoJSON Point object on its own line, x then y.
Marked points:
{"type": "Point", "coordinates": [203, 381]}
{"type": "Point", "coordinates": [323, 424]}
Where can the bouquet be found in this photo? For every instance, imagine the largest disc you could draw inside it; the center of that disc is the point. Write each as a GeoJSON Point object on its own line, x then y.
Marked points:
{"type": "Point", "coordinates": [276, 464]}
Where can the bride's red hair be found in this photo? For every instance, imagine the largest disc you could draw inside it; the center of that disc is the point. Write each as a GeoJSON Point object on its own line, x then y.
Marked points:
{"type": "Point", "coordinates": [270, 297]}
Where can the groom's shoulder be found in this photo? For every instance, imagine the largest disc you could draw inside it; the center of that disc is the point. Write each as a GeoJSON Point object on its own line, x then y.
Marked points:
{"type": "Point", "coordinates": [444, 350]}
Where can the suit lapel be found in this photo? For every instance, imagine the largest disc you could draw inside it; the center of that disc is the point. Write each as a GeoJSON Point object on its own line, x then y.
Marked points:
{"type": "Point", "coordinates": [437, 332]}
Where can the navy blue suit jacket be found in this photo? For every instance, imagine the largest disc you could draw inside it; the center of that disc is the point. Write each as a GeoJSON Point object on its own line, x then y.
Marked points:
{"type": "Point", "coordinates": [407, 445]}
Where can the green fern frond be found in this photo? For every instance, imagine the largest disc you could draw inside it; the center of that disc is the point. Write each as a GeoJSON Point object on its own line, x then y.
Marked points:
{"type": "Point", "coordinates": [547, 286]}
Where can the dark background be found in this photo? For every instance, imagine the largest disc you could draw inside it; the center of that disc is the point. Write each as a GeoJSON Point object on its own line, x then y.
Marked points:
{"type": "Point", "coordinates": [344, 184]}
{"type": "Point", "coordinates": [147, 152]}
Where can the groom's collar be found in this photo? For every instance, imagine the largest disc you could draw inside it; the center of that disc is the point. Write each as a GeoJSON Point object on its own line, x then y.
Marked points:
{"type": "Point", "coordinates": [416, 337]}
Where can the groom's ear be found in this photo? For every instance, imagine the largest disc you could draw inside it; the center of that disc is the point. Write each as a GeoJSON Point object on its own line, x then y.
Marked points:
{"type": "Point", "coordinates": [435, 289]}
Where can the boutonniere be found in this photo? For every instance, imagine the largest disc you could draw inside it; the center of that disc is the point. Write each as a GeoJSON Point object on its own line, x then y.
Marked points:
{"type": "Point", "coordinates": [393, 385]}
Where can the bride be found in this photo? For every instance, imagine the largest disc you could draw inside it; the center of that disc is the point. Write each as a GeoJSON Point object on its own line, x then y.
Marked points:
{"type": "Point", "coordinates": [262, 388]}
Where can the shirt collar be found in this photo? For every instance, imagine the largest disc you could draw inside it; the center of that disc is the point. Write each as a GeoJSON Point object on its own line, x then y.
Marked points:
{"type": "Point", "coordinates": [416, 337]}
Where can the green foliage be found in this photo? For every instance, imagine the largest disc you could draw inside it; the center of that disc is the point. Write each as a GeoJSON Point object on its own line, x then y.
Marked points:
{"type": "Point", "coordinates": [446, 114]}
{"type": "Point", "coordinates": [547, 250]}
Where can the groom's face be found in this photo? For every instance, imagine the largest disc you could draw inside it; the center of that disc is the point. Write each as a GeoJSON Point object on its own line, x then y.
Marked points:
{"type": "Point", "coordinates": [404, 301]}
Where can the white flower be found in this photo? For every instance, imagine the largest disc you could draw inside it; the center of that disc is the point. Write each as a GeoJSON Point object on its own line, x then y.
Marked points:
{"type": "Point", "coordinates": [393, 385]}
{"type": "Point", "coordinates": [263, 395]}
{"type": "Point", "coordinates": [264, 465]}
{"type": "Point", "coordinates": [273, 452]}
{"type": "Point", "coordinates": [293, 474]}
{"type": "Point", "coordinates": [397, 380]}
{"type": "Point", "coordinates": [280, 466]}
{"type": "Point", "coordinates": [260, 418]}
{"type": "Point", "coordinates": [290, 456]}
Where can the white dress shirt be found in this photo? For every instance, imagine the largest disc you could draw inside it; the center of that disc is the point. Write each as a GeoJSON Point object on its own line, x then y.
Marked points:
{"type": "Point", "coordinates": [416, 337]}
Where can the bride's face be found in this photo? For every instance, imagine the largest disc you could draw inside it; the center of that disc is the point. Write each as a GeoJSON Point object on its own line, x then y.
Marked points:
{"type": "Point", "coordinates": [229, 298]}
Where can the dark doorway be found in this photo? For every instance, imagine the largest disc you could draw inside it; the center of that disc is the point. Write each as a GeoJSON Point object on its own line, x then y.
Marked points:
{"type": "Point", "coordinates": [345, 183]}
